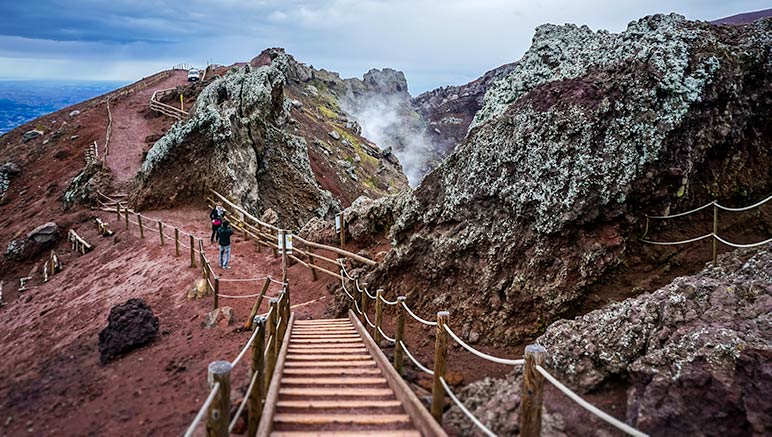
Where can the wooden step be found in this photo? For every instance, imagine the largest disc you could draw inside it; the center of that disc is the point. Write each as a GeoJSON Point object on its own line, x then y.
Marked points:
{"type": "Point", "coordinates": [336, 392]}
{"type": "Point", "coordinates": [379, 433]}
{"type": "Point", "coordinates": [321, 321]}
{"type": "Point", "coordinates": [310, 347]}
{"type": "Point", "coordinates": [325, 419]}
{"type": "Point", "coordinates": [331, 371]}
{"type": "Point", "coordinates": [317, 336]}
{"type": "Point", "coordinates": [334, 381]}
{"type": "Point", "coordinates": [321, 340]}
{"type": "Point", "coordinates": [359, 403]}
{"type": "Point", "coordinates": [342, 350]}
{"type": "Point", "coordinates": [322, 364]}
{"type": "Point", "coordinates": [308, 357]}
{"type": "Point", "coordinates": [323, 332]}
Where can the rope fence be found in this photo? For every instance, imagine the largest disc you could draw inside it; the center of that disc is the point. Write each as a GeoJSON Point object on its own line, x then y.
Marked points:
{"type": "Point", "coordinates": [588, 406]}
{"type": "Point", "coordinates": [714, 235]}
{"type": "Point", "coordinates": [531, 402]}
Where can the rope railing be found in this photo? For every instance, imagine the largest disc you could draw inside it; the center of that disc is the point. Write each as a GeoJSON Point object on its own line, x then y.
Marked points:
{"type": "Point", "coordinates": [416, 317]}
{"type": "Point", "coordinates": [441, 388]}
{"type": "Point", "coordinates": [417, 363]}
{"type": "Point", "coordinates": [383, 334]}
{"type": "Point", "coordinates": [480, 354]}
{"type": "Point", "coordinates": [714, 235]}
{"type": "Point", "coordinates": [388, 302]}
{"type": "Point", "coordinates": [465, 410]}
{"type": "Point", "coordinates": [243, 403]}
{"type": "Point", "coordinates": [713, 203]}
{"type": "Point", "coordinates": [588, 406]}
{"type": "Point", "coordinates": [202, 411]}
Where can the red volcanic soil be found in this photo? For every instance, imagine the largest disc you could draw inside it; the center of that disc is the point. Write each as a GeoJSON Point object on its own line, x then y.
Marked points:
{"type": "Point", "coordinates": [53, 380]}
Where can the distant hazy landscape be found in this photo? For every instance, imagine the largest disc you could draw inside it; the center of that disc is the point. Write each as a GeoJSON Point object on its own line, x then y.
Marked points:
{"type": "Point", "coordinates": [25, 100]}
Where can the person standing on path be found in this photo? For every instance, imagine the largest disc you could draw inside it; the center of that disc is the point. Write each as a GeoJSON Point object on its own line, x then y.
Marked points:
{"type": "Point", "coordinates": [224, 238]}
{"type": "Point", "coordinates": [216, 215]}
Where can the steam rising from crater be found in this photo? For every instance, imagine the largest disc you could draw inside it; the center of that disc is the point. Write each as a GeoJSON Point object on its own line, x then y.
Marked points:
{"type": "Point", "coordinates": [389, 121]}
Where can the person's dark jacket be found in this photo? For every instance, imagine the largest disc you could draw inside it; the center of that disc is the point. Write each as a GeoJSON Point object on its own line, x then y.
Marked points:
{"type": "Point", "coordinates": [214, 215]}
{"type": "Point", "coordinates": [224, 236]}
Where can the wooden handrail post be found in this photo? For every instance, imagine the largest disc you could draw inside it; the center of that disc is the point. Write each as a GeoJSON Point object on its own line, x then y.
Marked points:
{"type": "Point", "coordinates": [532, 392]}
{"type": "Point", "coordinates": [378, 315]}
{"type": "Point", "coordinates": [398, 352]}
{"type": "Point", "coordinates": [216, 291]}
{"type": "Point", "coordinates": [440, 356]}
{"type": "Point", "coordinates": [363, 306]}
{"type": "Point", "coordinates": [219, 410]}
{"type": "Point", "coordinates": [284, 254]}
{"type": "Point", "coordinates": [255, 406]}
{"type": "Point", "coordinates": [271, 333]}
{"type": "Point", "coordinates": [715, 232]}
{"type": "Point", "coordinates": [256, 306]}
{"type": "Point", "coordinates": [161, 231]}
{"type": "Point", "coordinates": [283, 311]}
{"type": "Point", "coordinates": [342, 230]}
{"type": "Point", "coordinates": [192, 252]}
{"type": "Point", "coordinates": [118, 210]}
{"type": "Point", "coordinates": [314, 276]}
{"type": "Point", "coordinates": [177, 241]}
{"type": "Point", "coordinates": [126, 216]}
{"type": "Point", "coordinates": [141, 229]}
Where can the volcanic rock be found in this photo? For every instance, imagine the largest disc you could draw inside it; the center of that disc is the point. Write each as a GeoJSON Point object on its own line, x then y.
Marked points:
{"type": "Point", "coordinates": [546, 196]}
{"type": "Point", "coordinates": [702, 337]}
{"type": "Point", "coordinates": [129, 326]}
{"type": "Point", "coordinates": [222, 316]}
{"type": "Point", "coordinates": [319, 231]}
{"type": "Point", "coordinates": [30, 135]}
{"type": "Point", "coordinates": [44, 234]}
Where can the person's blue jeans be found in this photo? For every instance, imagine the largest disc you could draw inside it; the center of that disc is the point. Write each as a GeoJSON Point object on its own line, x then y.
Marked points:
{"type": "Point", "coordinates": [225, 255]}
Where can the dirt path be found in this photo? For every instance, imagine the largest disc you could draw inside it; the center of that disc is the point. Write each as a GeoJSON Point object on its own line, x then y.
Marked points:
{"type": "Point", "coordinates": [133, 123]}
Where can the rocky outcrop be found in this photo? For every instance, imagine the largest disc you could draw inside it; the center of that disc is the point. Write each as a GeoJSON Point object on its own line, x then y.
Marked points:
{"type": "Point", "coordinates": [591, 131]}
{"type": "Point", "coordinates": [7, 171]}
{"type": "Point", "coordinates": [705, 337]}
{"type": "Point", "coordinates": [84, 187]}
{"type": "Point", "coordinates": [371, 113]}
{"type": "Point", "coordinates": [449, 110]}
{"type": "Point", "coordinates": [129, 326]}
{"type": "Point", "coordinates": [237, 142]}
{"type": "Point", "coordinates": [37, 240]}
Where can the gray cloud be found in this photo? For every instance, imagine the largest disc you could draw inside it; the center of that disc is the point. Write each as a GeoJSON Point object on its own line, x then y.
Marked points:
{"type": "Point", "coordinates": [434, 42]}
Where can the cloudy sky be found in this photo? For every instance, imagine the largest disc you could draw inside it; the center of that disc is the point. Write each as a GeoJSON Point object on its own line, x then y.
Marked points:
{"type": "Point", "coordinates": [434, 42]}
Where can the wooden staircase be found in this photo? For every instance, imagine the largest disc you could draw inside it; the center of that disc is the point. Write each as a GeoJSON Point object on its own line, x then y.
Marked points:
{"type": "Point", "coordinates": [332, 380]}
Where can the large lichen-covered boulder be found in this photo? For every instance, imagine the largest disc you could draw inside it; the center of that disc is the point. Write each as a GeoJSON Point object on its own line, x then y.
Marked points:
{"type": "Point", "coordinates": [547, 195]}
{"type": "Point", "coordinates": [237, 143]}
{"type": "Point", "coordinates": [693, 358]}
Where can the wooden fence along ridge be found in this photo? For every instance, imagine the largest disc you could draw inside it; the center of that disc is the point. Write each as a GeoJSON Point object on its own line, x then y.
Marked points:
{"type": "Point", "coordinates": [163, 108]}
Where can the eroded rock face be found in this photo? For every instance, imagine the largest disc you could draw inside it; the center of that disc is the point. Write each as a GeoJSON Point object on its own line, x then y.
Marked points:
{"type": "Point", "coordinates": [547, 194]}
{"type": "Point", "coordinates": [694, 355]}
{"type": "Point", "coordinates": [236, 142]}
{"type": "Point", "coordinates": [129, 326]}
{"type": "Point", "coordinates": [450, 110]}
